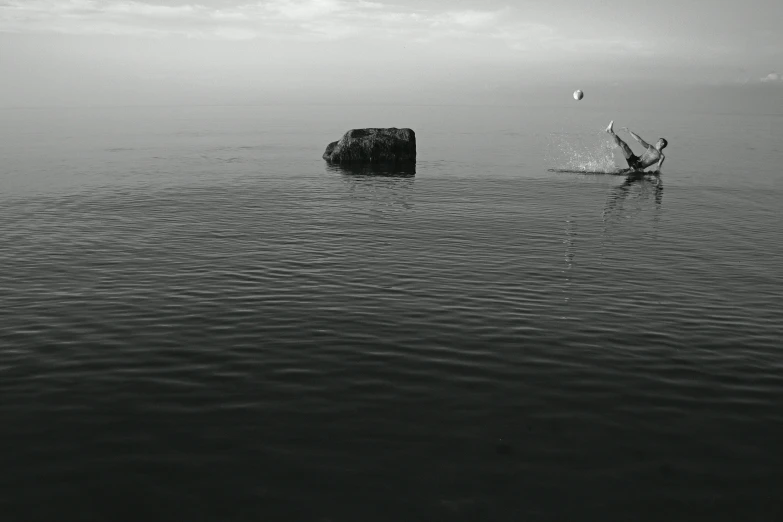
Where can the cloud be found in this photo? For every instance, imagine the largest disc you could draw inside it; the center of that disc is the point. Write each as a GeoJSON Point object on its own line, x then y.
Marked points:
{"type": "Point", "coordinates": [468, 18]}
{"type": "Point", "coordinates": [537, 38]}
{"type": "Point", "coordinates": [112, 17]}
{"type": "Point", "coordinates": [305, 20]}
{"type": "Point", "coordinates": [234, 33]}
{"type": "Point", "coordinates": [772, 78]}
{"type": "Point", "coordinates": [308, 9]}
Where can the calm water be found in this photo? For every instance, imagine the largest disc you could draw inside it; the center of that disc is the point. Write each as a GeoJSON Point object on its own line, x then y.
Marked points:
{"type": "Point", "coordinates": [199, 320]}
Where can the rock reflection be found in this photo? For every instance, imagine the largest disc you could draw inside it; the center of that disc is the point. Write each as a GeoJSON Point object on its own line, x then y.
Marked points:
{"type": "Point", "coordinates": [383, 170]}
{"type": "Point", "coordinates": [379, 188]}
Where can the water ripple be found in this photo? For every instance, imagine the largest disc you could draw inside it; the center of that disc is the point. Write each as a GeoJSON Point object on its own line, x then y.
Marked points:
{"type": "Point", "coordinates": [291, 345]}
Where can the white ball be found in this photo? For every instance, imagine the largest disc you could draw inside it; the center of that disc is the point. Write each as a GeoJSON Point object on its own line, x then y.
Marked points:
{"type": "Point", "coordinates": [578, 94]}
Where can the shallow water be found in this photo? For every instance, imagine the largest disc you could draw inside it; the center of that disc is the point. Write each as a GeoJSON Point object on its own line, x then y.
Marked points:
{"type": "Point", "coordinates": [200, 319]}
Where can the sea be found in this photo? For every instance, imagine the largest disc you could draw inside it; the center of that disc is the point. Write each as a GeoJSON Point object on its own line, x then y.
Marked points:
{"type": "Point", "coordinates": [201, 320]}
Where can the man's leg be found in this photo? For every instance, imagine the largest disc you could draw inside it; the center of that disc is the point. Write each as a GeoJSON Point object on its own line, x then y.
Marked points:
{"type": "Point", "coordinates": [627, 152]}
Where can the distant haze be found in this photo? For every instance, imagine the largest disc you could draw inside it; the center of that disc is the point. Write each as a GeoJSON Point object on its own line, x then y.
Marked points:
{"type": "Point", "coordinates": [118, 52]}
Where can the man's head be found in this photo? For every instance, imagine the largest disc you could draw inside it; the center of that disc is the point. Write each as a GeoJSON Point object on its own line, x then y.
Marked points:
{"type": "Point", "coordinates": [661, 144]}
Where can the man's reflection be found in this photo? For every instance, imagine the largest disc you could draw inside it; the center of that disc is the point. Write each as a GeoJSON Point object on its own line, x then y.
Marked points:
{"type": "Point", "coordinates": [645, 187]}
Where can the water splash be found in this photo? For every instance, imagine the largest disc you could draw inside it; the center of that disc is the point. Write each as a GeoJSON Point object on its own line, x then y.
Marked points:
{"type": "Point", "coordinates": [584, 154]}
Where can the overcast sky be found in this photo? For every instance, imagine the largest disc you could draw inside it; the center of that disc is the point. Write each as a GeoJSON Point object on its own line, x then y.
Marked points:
{"type": "Point", "coordinates": [218, 51]}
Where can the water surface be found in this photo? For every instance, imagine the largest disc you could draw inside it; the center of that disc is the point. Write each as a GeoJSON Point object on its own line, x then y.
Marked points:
{"type": "Point", "coordinates": [201, 320]}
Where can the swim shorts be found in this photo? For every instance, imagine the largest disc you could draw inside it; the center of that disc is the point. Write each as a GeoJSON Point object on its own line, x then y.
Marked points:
{"type": "Point", "coordinates": [633, 163]}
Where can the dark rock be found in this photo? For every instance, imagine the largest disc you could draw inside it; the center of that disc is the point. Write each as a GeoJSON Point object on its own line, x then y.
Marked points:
{"type": "Point", "coordinates": [373, 146]}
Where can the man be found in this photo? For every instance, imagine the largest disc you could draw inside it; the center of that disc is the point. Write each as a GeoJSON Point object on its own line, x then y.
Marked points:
{"type": "Point", "coordinates": [651, 156]}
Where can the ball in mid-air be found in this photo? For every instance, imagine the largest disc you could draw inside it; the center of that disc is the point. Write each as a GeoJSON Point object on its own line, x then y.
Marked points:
{"type": "Point", "coordinates": [578, 94]}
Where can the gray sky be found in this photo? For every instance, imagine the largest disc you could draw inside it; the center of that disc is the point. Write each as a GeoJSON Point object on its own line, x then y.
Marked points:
{"type": "Point", "coordinates": [72, 52]}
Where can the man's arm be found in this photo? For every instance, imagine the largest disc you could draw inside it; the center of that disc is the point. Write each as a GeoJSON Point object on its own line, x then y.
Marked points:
{"type": "Point", "coordinates": [660, 162]}
{"type": "Point", "coordinates": [637, 138]}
